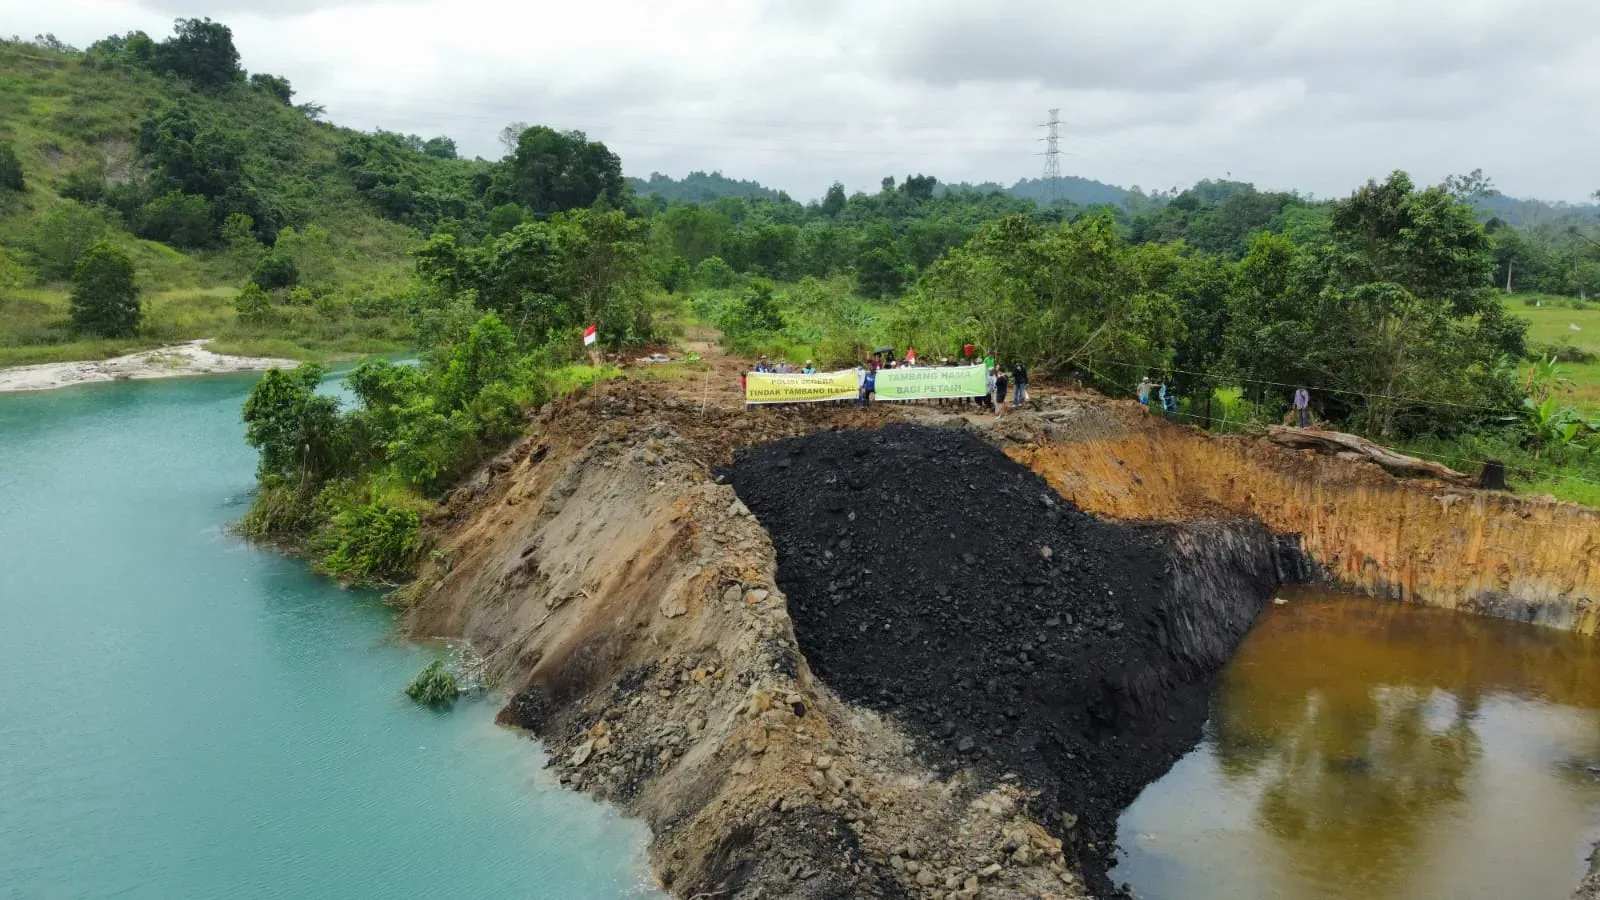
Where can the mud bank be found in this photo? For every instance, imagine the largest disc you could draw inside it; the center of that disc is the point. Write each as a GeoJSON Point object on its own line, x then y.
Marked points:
{"type": "Point", "coordinates": [1529, 559]}
{"type": "Point", "coordinates": [934, 580]}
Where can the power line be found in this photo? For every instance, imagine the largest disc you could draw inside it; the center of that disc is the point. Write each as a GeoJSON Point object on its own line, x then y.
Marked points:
{"type": "Point", "coordinates": [1052, 156]}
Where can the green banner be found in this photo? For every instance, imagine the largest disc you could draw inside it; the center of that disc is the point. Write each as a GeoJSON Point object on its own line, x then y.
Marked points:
{"type": "Point", "coordinates": [932, 383]}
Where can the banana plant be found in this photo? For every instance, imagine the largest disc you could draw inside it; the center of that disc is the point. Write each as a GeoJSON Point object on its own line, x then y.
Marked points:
{"type": "Point", "coordinates": [1551, 426]}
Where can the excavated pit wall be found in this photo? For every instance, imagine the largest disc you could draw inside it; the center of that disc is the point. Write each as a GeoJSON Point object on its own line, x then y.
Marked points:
{"type": "Point", "coordinates": [1529, 559]}
{"type": "Point", "coordinates": [629, 604]}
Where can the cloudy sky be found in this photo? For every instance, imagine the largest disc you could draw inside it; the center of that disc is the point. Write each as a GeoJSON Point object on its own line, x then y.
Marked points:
{"type": "Point", "coordinates": [1314, 95]}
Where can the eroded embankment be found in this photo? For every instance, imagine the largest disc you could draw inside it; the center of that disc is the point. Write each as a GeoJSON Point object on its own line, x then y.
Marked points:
{"type": "Point", "coordinates": [933, 579]}
{"type": "Point", "coordinates": [629, 603]}
{"type": "Point", "coordinates": [1533, 560]}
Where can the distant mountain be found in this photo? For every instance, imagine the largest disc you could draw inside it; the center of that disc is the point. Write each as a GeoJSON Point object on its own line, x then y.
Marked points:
{"type": "Point", "coordinates": [1081, 191]}
{"type": "Point", "coordinates": [1529, 213]}
{"type": "Point", "coordinates": [699, 187]}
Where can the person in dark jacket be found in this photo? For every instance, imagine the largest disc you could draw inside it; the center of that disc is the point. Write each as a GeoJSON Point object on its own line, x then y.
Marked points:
{"type": "Point", "coordinates": [1019, 378]}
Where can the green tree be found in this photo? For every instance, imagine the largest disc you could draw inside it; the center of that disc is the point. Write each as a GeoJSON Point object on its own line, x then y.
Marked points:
{"type": "Point", "coordinates": [297, 431]}
{"type": "Point", "coordinates": [10, 169]}
{"type": "Point", "coordinates": [440, 147]}
{"type": "Point", "coordinates": [485, 357]}
{"type": "Point", "coordinates": [554, 171]}
{"type": "Point", "coordinates": [244, 251]}
{"type": "Point", "coordinates": [833, 202]}
{"type": "Point", "coordinates": [253, 305]}
{"type": "Point", "coordinates": [880, 272]}
{"type": "Point", "coordinates": [691, 231]}
{"type": "Point", "coordinates": [674, 274]}
{"type": "Point", "coordinates": [1393, 317]}
{"type": "Point", "coordinates": [200, 51]}
{"type": "Point", "coordinates": [179, 219]}
{"type": "Point", "coordinates": [277, 270]}
{"type": "Point", "coordinates": [712, 272]}
{"type": "Point", "coordinates": [752, 317]}
{"type": "Point", "coordinates": [503, 218]}
{"type": "Point", "coordinates": [275, 86]}
{"type": "Point", "coordinates": [104, 300]}
{"type": "Point", "coordinates": [60, 237]}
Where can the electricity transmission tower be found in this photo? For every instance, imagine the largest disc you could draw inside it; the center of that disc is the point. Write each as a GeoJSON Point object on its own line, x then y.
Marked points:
{"type": "Point", "coordinates": [1052, 156]}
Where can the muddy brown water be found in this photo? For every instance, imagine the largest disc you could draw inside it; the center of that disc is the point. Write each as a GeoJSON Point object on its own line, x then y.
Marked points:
{"type": "Point", "coordinates": [1368, 749]}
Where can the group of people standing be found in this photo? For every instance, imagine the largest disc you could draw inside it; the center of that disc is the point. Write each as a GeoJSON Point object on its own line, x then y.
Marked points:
{"type": "Point", "coordinates": [783, 367]}
{"type": "Point", "coordinates": [1167, 400]}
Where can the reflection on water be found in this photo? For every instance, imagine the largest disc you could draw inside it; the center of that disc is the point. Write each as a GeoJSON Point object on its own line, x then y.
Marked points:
{"type": "Point", "coordinates": [1363, 749]}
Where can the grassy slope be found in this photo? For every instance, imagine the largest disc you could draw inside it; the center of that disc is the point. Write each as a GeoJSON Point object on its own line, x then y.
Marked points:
{"type": "Point", "coordinates": [1552, 325]}
{"type": "Point", "coordinates": [61, 116]}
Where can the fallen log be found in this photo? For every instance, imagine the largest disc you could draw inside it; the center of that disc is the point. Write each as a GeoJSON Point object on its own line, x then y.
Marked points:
{"type": "Point", "coordinates": [1337, 442]}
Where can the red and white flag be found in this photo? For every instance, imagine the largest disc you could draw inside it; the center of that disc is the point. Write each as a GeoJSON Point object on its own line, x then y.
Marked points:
{"type": "Point", "coordinates": [589, 335]}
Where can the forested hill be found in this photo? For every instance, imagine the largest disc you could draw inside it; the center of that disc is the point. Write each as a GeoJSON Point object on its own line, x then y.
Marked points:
{"type": "Point", "coordinates": [150, 143]}
{"type": "Point", "coordinates": [1525, 213]}
{"type": "Point", "coordinates": [1075, 190]}
{"type": "Point", "coordinates": [699, 187]}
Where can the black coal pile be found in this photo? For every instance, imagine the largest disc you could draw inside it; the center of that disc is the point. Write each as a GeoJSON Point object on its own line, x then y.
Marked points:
{"type": "Point", "coordinates": [933, 579]}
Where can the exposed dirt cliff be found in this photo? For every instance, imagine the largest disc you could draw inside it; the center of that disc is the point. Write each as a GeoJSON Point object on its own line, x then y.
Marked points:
{"type": "Point", "coordinates": [1534, 560]}
{"type": "Point", "coordinates": [629, 602]}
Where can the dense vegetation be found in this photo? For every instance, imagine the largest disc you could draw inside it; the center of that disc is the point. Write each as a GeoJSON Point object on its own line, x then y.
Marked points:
{"type": "Point", "coordinates": [244, 217]}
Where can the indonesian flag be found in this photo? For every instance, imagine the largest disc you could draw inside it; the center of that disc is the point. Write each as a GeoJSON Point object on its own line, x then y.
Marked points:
{"type": "Point", "coordinates": [911, 354]}
{"type": "Point", "coordinates": [589, 335]}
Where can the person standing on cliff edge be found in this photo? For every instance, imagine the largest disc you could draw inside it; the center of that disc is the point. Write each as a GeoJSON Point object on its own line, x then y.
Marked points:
{"type": "Point", "coordinates": [1302, 403]}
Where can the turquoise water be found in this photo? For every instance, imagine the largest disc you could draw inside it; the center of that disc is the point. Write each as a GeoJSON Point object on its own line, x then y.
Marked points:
{"type": "Point", "coordinates": [184, 715]}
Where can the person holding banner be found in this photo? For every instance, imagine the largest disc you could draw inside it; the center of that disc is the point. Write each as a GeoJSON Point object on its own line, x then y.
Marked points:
{"type": "Point", "coordinates": [869, 384]}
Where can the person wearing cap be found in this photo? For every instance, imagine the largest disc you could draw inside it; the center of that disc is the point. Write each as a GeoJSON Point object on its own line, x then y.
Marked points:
{"type": "Point", "coordinates": [808, 369]}
{"type": "Point", "coordinates": [762, 365]}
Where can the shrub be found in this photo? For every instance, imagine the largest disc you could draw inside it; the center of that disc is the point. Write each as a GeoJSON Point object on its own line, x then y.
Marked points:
{"type": "Point", "coordinates": [10, 169]}
{"type": "Point", "coordinates": [1561, 351]}
{"type": "Point", "coordinates": [434, 685]}
{"type": "Point", "coordinates": [281, 509]}
{"type": "Point", "coordinates": [178, 219]}
{"type": "Point", "coordinates": [714, 273]}
{"type": "Point", "coordinates": [253, 305]}
{"type": "Point", "coordinates": [60, 237]}
{"type": "Point", "coordinates": [429, 446]}
{"type": "Point", "coordinates": [276, 270]}
{"type": "Point", "coordinates": [104, 300]}
{"type": "Point", "coordinates": [376, 541]}
{"type": "Point", "coordinates": [84, 186]}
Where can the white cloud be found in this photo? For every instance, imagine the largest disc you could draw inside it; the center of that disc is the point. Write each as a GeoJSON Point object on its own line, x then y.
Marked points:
{"type": "Point", "coordinates": [1317, 95]}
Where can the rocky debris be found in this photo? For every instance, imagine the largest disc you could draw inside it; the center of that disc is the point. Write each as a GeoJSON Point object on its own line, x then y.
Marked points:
{"type": "Point", "coordinates": [911, 558]}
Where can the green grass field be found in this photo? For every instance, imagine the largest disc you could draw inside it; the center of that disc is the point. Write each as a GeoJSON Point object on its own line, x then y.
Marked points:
{"type": "Point", "coordinates": [1550, 324]}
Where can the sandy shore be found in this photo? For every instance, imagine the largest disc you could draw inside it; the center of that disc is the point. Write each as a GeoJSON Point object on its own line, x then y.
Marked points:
{"type": "Point", "coordinates": [190, 358]}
